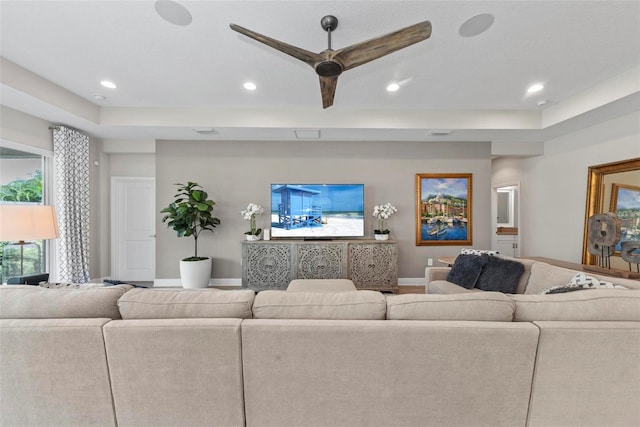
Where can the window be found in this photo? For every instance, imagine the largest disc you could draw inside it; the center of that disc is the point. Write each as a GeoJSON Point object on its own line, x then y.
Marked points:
{"type": "Point", "coordinates": [23, 180]}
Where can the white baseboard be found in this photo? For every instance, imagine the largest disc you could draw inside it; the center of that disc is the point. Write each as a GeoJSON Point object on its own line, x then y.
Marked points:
{"type": "Point", "coordinates": [411, 281]}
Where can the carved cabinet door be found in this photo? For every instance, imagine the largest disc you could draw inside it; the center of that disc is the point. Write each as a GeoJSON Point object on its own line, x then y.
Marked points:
{"type": "Point", "coordinates": [374, 265]}
{"type": "Point", "coordinates": [266, 266]}
{"type": "Point", "coordinates": [321, 261]}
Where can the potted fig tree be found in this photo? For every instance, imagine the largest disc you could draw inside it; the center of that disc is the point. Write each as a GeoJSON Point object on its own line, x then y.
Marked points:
{"type": "Point", "coordinates": [190, 214]}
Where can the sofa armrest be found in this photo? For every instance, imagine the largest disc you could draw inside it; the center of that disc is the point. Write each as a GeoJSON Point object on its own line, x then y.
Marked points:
{"type": "Point", "coordinates": [436, 282]}
{"type": "Point", "coordinates": [444, 287]}
{"type": "Point", "coordinates": [436, 273]}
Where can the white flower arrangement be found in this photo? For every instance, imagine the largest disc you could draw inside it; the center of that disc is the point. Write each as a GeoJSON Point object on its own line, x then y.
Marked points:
{"type": "Point", "coordinates": [250, 213]}
{"type": "Point", "coordinates": [383, 212]}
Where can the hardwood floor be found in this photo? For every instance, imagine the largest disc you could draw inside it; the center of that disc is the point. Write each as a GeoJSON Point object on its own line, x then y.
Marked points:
{"type": "Point", "coordinates": [411, 289]}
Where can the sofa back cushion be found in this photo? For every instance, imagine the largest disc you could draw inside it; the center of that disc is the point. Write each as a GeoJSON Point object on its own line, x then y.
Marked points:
{"type": "Point", "coordinates": [321, 285]}
{"type": "Point", "coordinates": [54, 372]}
{"type": "Point", "coordinates": [544, 276]}
{"type": "Point", "coordinates": [586, 374]}
{"type": "Point", "coordinates": [186, 303]}
{"type": "Point", "coordinates": [387, 373]}
{"type": "Point", "coordinates": [188, 370]}
{"type": "Point", "coordinates": [34, 302]}
{"type": "Point", "coordinates": [355, 305]}
{"type": "Point", "coordinates": [484, 306]}
{"type": "Point", "coordinates": [584, 305]}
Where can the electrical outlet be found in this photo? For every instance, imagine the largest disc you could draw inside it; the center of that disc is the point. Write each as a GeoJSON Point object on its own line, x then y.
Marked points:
{"type": "Point", "coordinates": [430, 262]}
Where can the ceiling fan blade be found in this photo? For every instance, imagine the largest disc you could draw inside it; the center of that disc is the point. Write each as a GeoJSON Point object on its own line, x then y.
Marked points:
{"type": "Point", "coordinates": [363, 52]}
{"type": "Point", "coordinates": [310, 58]}
{"type": "Point", "coordinates": [328, 90]}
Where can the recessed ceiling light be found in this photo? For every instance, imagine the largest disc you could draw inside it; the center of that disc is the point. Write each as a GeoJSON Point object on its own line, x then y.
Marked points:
{"type": "Point", "coordinates": [439, 132]}
{"type": "Point", "coordinates": [393, 87]}
{"type": "Point", "coordinates": [205, 131]}
{"type": "Point", "coordinates": [250, 86]}
{"type": "Point", "coordinates": [535, 88]}
{"type": "Point", "coordinates": [108, 84]}
{"type": "Point", "coordinates": [173, 12]}
{"type": "Point", "coordinates": [476, 25]}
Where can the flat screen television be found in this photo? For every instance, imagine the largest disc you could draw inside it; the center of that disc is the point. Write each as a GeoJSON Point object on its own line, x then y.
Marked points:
{"type": "Point", "coordinates": [317, 211]}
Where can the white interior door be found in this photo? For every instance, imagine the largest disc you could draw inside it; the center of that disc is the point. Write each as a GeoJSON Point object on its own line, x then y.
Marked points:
{"type": "Point", "coordinates": [133, 217]}
{"type": "Point", "coordinates": [505, 212]}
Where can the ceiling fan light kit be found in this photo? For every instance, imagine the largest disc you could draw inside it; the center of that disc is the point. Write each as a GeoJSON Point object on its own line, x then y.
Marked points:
{"type": "Point", "coordinates": [329, 64]}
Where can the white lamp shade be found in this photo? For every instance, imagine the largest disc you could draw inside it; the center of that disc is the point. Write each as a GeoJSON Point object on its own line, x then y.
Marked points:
{"type": "Point", "coordinates": [27, 222]}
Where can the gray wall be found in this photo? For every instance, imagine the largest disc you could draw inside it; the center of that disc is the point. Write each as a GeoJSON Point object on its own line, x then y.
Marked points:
{"type": "Point", "coordinates": [236, 173]}
{"type": "Point", "coordinates": [553, 187]}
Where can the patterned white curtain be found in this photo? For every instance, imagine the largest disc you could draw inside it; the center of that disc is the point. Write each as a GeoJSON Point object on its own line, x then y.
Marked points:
{"type": "Point", "coordinates": [71, 169]}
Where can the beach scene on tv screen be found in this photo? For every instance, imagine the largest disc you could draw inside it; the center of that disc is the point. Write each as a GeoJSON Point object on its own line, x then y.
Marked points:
{"type": "Point", "coordinates": [317, 210]}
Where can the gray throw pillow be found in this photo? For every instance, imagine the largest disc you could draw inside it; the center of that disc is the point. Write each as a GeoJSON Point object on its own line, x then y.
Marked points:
{"type": "Point", "coordinates": [500, 275]}
{"type": "Point", "coordinates": [466, 269]}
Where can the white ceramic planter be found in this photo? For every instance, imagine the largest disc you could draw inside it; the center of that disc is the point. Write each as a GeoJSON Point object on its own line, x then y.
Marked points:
{"type": "Point", "coordinates": [195, 274]}
{"type": "Point", "coordinates": [251, 237]}
{"type": "Point", "coordinates": [381, 236]}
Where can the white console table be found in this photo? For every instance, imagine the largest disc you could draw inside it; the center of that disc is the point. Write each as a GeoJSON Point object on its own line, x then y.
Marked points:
{"type": "Point", "coordinates": [272, 264]}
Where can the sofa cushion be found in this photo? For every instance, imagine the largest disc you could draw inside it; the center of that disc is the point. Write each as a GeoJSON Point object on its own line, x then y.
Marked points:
{"type": "Point", "coordinates": [355, 305]}
{"type": "Point", "coordinates": [544, 276]}
{"type": "Point", "coordinates": [67, 285]}
{"type": "Point", "coordinates": [582, 281]}
{"type": "Point", "coordinates": [483, 306]}
{"type": "Point", "coordinates": [584, 305]}
{"type": "Point", "coordinates": [469, 251]}
{"type": "Point", "coordinates": [445, 287]}
{"type": "Point", "coordinates": [35, 302]}
{"type": "Point", "coordinates": [53, 372]}
{"type": "Point", "coordinates": [466, 269]}
{"type": "Point", "coordinates": [186, 303]}
{"type": "Point", "coordinates": [586, 281]}
{"type": "Point", "coordinates": [500, 275]}
{"type": "Point", "coordinates": [524, 277]}
{"type": "Point", "coordinates": [562, 289]}
{"type": "Point", "coordinates": [321, 285]}
{"type": "Point", "coordinates": [188, 370]}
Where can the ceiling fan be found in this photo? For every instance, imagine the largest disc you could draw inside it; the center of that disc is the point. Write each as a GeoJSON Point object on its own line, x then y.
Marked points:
{"type": "Point", "coordinates": [329, 64]}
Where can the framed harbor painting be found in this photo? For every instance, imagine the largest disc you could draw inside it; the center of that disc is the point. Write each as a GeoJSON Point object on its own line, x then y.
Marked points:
{"type": "Point", "coordinates": [443, 209]}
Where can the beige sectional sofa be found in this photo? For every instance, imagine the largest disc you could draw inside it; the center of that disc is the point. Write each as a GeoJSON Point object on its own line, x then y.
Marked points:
{"type": "Point", "coordinates": [344, 358]}
{"type": "Point", "coordinates": [536, 277]}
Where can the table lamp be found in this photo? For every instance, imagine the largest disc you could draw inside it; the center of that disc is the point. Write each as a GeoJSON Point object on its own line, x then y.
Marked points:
{"type": "Point", "coordinates": [20, 223]}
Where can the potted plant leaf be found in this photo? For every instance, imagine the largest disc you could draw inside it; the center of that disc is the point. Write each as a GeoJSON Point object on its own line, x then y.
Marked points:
{"type": "Point", "coordinates": [190, 214]}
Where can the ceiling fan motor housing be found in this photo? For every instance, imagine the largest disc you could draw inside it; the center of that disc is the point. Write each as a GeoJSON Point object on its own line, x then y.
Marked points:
{"type": "Point", "coordinates": [329, 69]}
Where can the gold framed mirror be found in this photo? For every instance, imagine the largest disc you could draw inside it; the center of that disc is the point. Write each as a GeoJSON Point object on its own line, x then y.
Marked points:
{"type": "Point", "coordinates": [602, 182]}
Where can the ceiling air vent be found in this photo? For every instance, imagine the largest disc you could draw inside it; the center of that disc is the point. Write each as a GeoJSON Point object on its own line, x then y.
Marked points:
{"type": "Point", "coordinates": [205, 131]}
{"type": "Point", "coordinates": [307, 133]}
{"type": "Point", "coordinates": [439, 133]}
